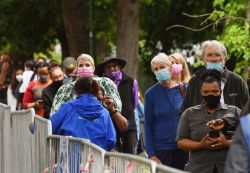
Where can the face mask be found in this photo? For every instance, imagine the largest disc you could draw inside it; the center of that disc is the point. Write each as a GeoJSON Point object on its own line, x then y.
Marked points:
{"type": "Point", "coordinates": [163, 75]}
{"type": "Point", "coordinates": [176, 69]}
{"type": "Point", "coordinates": [215, 66]}
{"type": "Point", "coordinates": [19, 77]}
{"type": "Point", "coordinates": [43, 78]}
{"type": "Point", "coordinates": [211, 100]}
{"type": "Point", "coordinates": [85, 71]}
{"type": "Point", "coordinates": [58, 83]}
{"type": "Point", "coordinates": [113, 75]}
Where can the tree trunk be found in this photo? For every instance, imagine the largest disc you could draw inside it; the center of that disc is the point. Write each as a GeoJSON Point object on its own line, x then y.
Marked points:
{"type": "Point", "coordinates": [127, 34]}
{"type": "Point", "coordinates": [76, 26]}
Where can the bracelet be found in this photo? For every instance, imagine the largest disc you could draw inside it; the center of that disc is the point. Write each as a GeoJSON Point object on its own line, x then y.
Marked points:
{"type": "Point", "coordinates": [112, 113]}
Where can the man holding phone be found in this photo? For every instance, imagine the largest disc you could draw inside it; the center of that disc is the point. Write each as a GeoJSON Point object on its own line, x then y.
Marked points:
{"type": "Point", "coordinates": [208, 147]}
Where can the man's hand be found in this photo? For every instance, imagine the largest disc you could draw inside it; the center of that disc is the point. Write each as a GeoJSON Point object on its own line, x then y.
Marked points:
{"type": "Point", "coordinates": [216, 124]}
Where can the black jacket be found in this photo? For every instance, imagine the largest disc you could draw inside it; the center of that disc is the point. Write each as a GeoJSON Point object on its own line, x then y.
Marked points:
{"type": "Point", "coordinates": [125, 90]}
{"type": "Point", "coordinates": [235, 90]}
{"type": "Point", "coordinates": [48, 95]}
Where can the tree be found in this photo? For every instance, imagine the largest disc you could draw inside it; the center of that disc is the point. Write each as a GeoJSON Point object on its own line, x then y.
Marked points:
{"type": "Point", "coordinates": [76, 26]}
{"type": "Point", "coordinates": [234, 15]}
{"type": "Point", "coordinates": [28, 26]}
{"type": "Point", "coordinates": [128, 34]}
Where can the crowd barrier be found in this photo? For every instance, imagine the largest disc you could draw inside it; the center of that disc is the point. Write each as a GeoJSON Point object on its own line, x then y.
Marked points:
{"type": "Point", "coordinates": [42, 152]}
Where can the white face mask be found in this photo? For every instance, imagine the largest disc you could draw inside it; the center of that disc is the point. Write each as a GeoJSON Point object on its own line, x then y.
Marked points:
{"type": "Point", "coordinates": [19, 77]}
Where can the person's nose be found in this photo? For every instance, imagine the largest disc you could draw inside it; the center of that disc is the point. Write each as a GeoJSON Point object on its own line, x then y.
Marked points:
{"type": "Point", "coordinates": [112, 69]}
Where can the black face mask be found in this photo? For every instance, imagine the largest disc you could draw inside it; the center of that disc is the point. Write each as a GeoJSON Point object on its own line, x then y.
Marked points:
{"type": "Point", "coordinates": [58, 83]}
{"type": "Point", "coordinates": [211, 100]}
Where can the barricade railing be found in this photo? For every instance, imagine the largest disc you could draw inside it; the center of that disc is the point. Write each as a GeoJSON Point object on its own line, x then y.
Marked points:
{"type": "Point", "coordinates": [23, 150]}
{"type": "Point", "coordinates": [41, 152]}
{"type": "Point", "coordinates": [127, 163]}
{"type": "Point", "coordinates": [5, 140]}
{"type": "Point", "coordinates": [93, 157]}
{"type": "Point", "coordinates": [73, 155]}
{"type": "Point", "coordinates": [166, 169]}
{"type": "Point", "coordinates": [41, 132]}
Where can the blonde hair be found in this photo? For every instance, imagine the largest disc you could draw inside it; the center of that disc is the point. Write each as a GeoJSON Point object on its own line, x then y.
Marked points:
{"type": "Point", "coordinates": [185, 74]}
{"type": "Point", "coordinates": [161, 58]}
{"type": "Point", "coordinates": [85, 57]}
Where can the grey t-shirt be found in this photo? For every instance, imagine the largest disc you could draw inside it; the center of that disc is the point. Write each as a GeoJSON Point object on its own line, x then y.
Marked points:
{"type": "Point", "coordinates": [193, 126]}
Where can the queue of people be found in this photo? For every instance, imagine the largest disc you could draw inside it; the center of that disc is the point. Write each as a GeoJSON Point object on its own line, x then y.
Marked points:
{"type": "Point", "coordinates": [189, 120]}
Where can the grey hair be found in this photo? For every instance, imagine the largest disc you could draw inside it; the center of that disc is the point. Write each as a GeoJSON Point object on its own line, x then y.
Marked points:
{"type": "Point", "coordinates": [161, 58]}
{"type": "Point", "coordinates": [85, 57]}
{"type": "Point", "coordinates": [207, 43]}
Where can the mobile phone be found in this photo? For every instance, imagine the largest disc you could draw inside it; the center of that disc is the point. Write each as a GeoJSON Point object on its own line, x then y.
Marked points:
{"type": "Point", "coordinates": [214, 134]}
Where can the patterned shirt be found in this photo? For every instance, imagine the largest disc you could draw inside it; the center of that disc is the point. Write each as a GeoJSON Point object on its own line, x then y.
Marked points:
{"type": "Point", "coordinates": [65, 93]}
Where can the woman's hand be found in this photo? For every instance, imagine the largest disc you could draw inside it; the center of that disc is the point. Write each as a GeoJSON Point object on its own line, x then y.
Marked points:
{"type": "Point", "coordinates": [216, 124]}
{"type": "Point", "coordinates": [154, 158]}
{"type": "Point", "coordinates": [108, 101]}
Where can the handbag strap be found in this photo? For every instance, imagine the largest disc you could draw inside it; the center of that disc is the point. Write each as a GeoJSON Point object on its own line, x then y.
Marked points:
{"type": "Point", "coordinates": [183, 91]}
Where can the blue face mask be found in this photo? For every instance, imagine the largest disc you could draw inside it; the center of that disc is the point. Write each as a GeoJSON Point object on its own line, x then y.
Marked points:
{"type": "Point", "coordinates": [163, 75]}
{"type": "Point", "coordinates": [43, 78]}
{"type": "Point", "coordinates": [215, 66]}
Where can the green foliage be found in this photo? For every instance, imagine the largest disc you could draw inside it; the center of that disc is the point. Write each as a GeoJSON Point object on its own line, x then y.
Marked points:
{"type": "Point", "coordinates": [236, 35]}
{"type": "Point", "coordinates": [29, 26]}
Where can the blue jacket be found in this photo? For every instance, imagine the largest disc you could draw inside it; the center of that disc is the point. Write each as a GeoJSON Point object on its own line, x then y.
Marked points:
{"type": "Point", "coordinates": [85, 117]}
{"type": "Point", "coordinates": [139, 113]}
{"type": "Point", "coordinates": [162, 106]}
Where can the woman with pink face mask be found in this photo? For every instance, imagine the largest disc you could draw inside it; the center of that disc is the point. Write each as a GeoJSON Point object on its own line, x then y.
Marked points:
{"type": "Point", "coordinates": [180, 71]}
{"type": "Point", "coordinates": [85, 68]}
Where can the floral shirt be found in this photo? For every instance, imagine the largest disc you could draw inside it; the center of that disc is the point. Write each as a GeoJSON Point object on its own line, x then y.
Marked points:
{"type": "Point", "coordinates": [65, 93]}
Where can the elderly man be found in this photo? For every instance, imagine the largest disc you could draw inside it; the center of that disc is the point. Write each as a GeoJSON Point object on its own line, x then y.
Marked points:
{"type": "Point", "coordinates": [48, 93]}
{"type": "Point", "coordinates": [233, 87]}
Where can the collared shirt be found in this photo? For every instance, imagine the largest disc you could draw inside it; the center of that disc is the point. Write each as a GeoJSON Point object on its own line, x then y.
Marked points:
{"type": "Point", "coordinates": [235, 90]}
{"type": "Point", "coordinates": [134, 89]}
{"type": "Point", "coordinates": [193, 126]}
{"type": "Point", "coordinates": [65, 93]}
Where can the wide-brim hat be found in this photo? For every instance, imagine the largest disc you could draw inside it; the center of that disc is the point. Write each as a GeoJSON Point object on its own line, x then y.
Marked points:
{"type": "Point", "coordinates": [108, 59]}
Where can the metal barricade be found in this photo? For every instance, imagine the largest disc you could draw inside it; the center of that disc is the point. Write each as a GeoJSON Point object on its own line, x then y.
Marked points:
{"type": "Point", "coordinates": [126, 163]}
{"type": "Point", "coordinates": [41, 132]}
{"type": "Point", "coordinates": [166, 169]}
{"type": "Point", "coordinates": [93, 157]}
{"type": "Point", "coordinates": [5, 139]}
{"type": "Point", "coordinates": [73, 155]}
{"type": "Point", "coordinates": [22, 141]}
{"type": "Point", "coordinates": [58, 154]}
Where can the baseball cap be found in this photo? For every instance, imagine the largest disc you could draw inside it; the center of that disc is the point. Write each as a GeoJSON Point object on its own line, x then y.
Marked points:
{"type": "Point", "coordinates": [69, 63]}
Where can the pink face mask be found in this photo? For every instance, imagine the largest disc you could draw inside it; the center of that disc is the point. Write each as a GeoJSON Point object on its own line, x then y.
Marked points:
{"type": "Point", "coordinates": [85, 71]}
{"type": "Point", "coordinates": [176, 69]}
